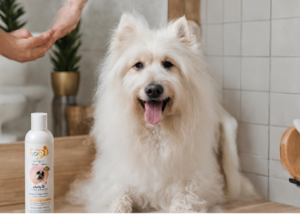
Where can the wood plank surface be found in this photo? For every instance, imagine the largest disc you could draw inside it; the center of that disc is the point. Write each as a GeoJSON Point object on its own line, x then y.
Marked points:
{"type": "Point", "coordinates": [192, 10]}
{"type": "Point", "coordinates": [70, 158]}
{"type": "Point", "coordinates": [189, 8]}
{"type": "Point", "coordinates": [250, 206]}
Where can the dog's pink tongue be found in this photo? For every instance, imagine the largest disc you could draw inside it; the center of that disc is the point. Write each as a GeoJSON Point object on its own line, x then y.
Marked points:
{"type": "Point", "coordinates": [153, 111]}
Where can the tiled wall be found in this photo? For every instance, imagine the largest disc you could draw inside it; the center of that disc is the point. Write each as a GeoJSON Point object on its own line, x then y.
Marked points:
{"type": "Point", "coordinates": [99, 17]}
{"type": "Point", "coordinates": [253, 46]}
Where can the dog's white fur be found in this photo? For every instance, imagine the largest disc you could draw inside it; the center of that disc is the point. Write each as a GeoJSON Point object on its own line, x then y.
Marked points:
{"type": "Point", "coordinates": [171, 166]}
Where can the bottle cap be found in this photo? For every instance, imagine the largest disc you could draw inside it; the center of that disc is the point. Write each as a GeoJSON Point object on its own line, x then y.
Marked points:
{"type": "Point", "coordinates": [38, 121]}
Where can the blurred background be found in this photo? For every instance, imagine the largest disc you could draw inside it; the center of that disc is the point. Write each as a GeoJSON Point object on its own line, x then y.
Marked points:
{"type": "Point", "coordinates": [99, 18]}
{"type": "Point", "coordinates": [253, 47]}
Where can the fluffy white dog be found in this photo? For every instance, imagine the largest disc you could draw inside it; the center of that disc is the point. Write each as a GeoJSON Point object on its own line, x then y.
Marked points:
{"type": "Point", "coordinates": [163, 140]}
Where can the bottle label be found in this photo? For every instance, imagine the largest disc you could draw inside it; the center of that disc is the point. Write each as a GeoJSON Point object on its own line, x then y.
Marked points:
{"type": "Point", "coordinates": [39, 178]}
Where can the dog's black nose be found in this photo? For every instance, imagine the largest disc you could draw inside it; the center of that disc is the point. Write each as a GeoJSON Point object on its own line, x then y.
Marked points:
{"type": "Point", "coordinates": [154, 90]}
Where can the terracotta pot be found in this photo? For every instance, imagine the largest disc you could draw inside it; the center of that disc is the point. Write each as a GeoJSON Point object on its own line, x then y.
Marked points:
{"type": "Point", "coordinates": [65, 83]}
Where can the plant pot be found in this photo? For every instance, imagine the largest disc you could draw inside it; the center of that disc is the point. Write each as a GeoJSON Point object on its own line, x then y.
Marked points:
{"type": "Point", "coordinates": [65, 83]}
{"type": "Point", "coordinates": [80, 119]}
{"type": "Point", "coordinates": [65, 86]}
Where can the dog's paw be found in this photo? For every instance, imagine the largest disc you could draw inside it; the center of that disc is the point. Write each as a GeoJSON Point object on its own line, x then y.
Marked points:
{"type": "Point", "coordinates": [123, 209]}
{"type": "Point", "coordinates": [186, 203]}
{"type": "Point", "coordinates": [123, 203]}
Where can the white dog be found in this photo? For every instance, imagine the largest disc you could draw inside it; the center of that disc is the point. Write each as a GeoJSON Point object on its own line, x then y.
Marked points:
{"type": "Point", "coordinates": [163, 140]}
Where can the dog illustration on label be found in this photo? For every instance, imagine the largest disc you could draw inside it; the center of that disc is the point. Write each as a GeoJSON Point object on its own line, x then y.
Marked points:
{"type": "Point", "coordinates": [39, 174]}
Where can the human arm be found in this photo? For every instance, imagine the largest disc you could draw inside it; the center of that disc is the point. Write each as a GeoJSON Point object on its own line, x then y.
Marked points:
{"type": "Point", "coordinates": [21, 46]}
{"type": "Point", "coordinates": [67, 18]}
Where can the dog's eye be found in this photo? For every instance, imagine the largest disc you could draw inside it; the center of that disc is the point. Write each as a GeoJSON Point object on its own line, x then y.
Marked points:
{"type": "Point", "coordinates": [167, 64]}
{"type": "Point", "coordinates": [139, 65]}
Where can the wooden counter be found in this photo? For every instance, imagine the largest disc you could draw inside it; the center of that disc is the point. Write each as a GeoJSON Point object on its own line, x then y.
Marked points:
{"type": "Point", "coordinates": [70, 158]}
{"type": "Point", "coordinates": [252, 206]}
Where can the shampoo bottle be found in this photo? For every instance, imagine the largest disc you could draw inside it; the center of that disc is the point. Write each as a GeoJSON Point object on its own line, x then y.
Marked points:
{"type": "Point", "coordinates": [39, 166]}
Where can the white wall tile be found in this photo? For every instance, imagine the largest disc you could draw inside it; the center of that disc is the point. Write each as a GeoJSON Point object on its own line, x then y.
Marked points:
{"type": "Point", "coordinates": [232, 10]}
{"type": "Point", "coordinates": [256, 10]}
{"type": "Point", "coordinates": [285, 9]}
{"type": "Point", "coordinates": [255, 74]}
{"type": "Point", "coordinates": [254, 165]}
{"type": "Point", "coordinates": [260, 184]}
{"type": "Point", "coordinates": [216, 66]}
{"type": "Point", "coordinates": [284, 109]}
{"type": "Point", "coordinates": [284, 192]}
{"type": "Point", "coordinates": [254, 107]}
{"type": "Point", "coordinates": [231, 66]}
{"type": "Point", "coordinates": [214, 39]}
{"type": "Point", "coordinates": [203, 6]}
{"type": "Point", "coordinates": [99, 18]}
{"type": "Point", "coordinates": [249, 75]}
{"type": "Point", "coordinates": [277, 170]}
{"type": "Point", "coordinates": [286, 37]}
{"type": "Point", "coordinates": [275, 138]}
{"type": "Point", "coordinates": [256, 38]}
{"type": "Point", "coordinates": [214, 11]}
{"type": "Point", "coordinates": [254, 140]}
{"type": "Point", "coordinates": [232, 38]}
{"type": "Point", "coordinates": [231, 101]}
{"type": "Point", "coordinates": [285, 75]}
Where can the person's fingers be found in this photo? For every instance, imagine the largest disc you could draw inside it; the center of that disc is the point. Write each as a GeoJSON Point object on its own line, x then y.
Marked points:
{"type": "Point", "coordinates": [40, 40]}
{"type": "Point", "coordinates": [40, 51]}
{"type": "Point", "coordinates": [21, 33]}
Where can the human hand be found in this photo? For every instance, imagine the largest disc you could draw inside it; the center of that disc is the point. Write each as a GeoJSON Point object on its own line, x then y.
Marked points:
{"type": "Point", "coordinates": [21, 46]}
{"type": "Point", "coordinates": [67, 18]}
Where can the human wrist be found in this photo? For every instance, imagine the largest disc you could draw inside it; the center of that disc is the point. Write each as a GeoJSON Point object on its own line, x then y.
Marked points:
{"type": "Point", "coordinates": [77, 5]}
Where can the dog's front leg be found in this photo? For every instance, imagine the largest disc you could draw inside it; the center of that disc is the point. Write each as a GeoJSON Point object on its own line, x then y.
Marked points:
{"type": "Point", "coordinates": [187, 202]}
{"type": "Point", "coordinates": [122, 203]}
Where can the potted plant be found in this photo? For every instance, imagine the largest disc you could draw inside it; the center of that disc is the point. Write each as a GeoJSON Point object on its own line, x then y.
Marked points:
{"type": "Point", "coordinates": [10, 13]}
{"type": "Point", "coordinates": [65, 78]}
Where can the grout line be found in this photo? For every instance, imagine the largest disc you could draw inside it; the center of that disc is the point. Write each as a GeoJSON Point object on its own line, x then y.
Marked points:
{"type": "Point", "coordinates": [244, 56]}
{"type": "Point", "coordinates": [250, 173]}
{"type": "Point", "coordinates": [260, 124]}
{"type": "Point", "coordinates": [260, 91]}
{"type": "Point", "coordinates": [222, 59]}
{"type": "Point", "coordinates": [241, 39]}
{"type": "Point", "coordinates": [259, 20]}
{"type": "Point", "coordinates": [269, 105]}
{"type": "Point", "coordinates": [223, 74]}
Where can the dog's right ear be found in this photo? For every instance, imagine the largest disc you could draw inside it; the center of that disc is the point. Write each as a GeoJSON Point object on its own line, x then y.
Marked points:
{"type": "Point", "coordinates": [182, 29]}
{"type": "Point", "coordinates": [126, 28]}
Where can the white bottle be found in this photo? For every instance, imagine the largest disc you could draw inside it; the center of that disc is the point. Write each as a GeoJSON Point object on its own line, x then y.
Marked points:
{"type": "Point", "coordinates": [39, 166]}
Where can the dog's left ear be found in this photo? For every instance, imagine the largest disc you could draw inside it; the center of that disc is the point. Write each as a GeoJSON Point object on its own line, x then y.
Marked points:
{"type": "Point", "coordinates": [181, 27]}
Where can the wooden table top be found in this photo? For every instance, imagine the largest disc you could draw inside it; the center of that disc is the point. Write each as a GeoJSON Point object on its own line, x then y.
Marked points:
{"type": "Point", "coordinates": [250, 206]}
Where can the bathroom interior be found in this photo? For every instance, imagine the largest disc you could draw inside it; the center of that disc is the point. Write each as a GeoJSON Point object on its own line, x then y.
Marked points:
{"type": "Point", "coordinates": [251, 46]}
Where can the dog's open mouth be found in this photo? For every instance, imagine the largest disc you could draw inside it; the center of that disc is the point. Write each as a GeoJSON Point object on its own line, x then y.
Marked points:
{"type": "Point", "coordinates": [153, 109]}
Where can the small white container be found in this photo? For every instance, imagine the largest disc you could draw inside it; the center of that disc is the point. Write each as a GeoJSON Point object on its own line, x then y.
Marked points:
{"type": "Point", "coordinates": [39, 166]}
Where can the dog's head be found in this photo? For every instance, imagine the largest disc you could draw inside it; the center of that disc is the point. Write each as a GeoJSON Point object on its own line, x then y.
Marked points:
{"type": "Point", "coordinates": [154, 70]}
{"type": "Point", "coordinates": [40, 175]}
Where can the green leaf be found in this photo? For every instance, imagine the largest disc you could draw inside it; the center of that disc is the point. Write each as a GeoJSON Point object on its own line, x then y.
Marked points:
{"type": "Point", "coordinates": [65, 52]}
{"type": "Point", "coordinates": [10, 13]}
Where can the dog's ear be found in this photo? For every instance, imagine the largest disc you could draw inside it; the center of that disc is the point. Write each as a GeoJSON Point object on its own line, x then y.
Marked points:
{"type": "Point", "coordinates": [181, 27]}
{"type": "Point", "coordinates": [127, 27]}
